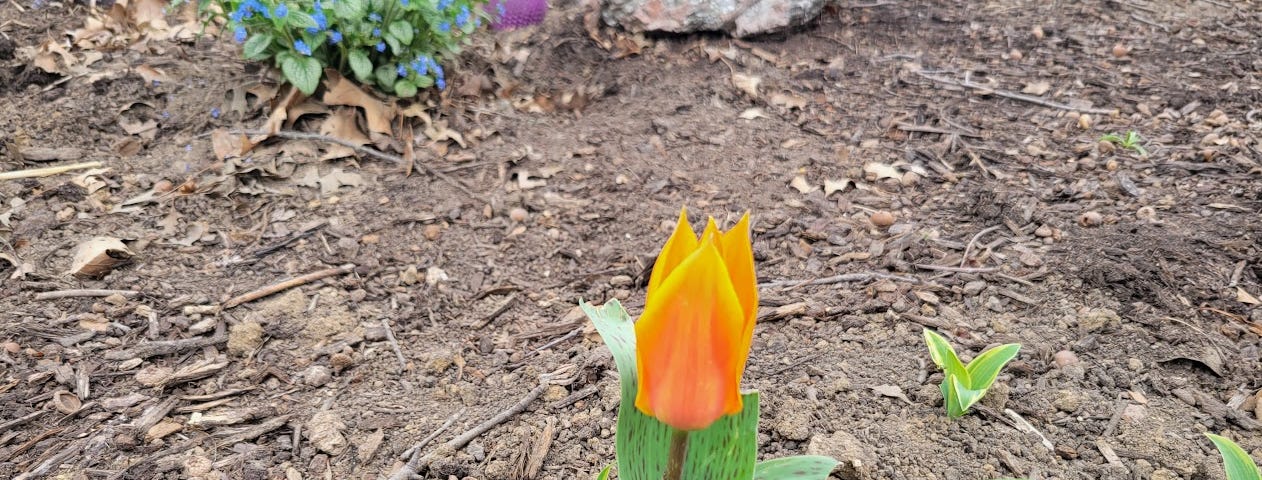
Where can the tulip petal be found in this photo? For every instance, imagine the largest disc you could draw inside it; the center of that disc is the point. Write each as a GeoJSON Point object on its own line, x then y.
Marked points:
{"type": "Point", "coordinates": [682, 243]}
{"type": "Point", "coordinates": [738, 257]}
{"type": "Point", "coordinates": [687, 340]}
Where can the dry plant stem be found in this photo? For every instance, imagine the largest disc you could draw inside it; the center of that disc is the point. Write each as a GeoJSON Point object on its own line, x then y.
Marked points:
{"type": "Point", "coordinates": [678, 452]}
{"type": "Point", "coordinates": [845, 277]}
{"type": "Point", "coordinates": [948, 268]}
{"type": "Point", "coordinates": [364, 150]}
{"type": "Point", "coordinates": [286, 285]}
{"type": "Point", "coordinates": [968, 248]}
{"type": "Point", "coordinates": [466, 437]}
{"type": "Point", "coordinates": [83, 293]}
{"type": "Point", "coordinates": [46, 171]}
{"type": "Point", "coordinates": [414, 453]}
{"type": "Point", "coordinates": [394, 345]}
{"type": "Point", "coordinates": [1016, 96]}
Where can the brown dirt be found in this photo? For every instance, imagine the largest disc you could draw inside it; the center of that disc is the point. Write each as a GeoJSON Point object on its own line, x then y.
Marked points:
{"type": "Point", "coordinates": [1148, 300]}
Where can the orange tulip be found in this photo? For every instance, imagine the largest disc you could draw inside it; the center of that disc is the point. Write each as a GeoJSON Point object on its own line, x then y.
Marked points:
{"type": "Point", "coordinates": [693, 338]}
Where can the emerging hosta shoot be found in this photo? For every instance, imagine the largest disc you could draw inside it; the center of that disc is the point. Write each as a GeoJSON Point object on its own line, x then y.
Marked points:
{"type": "Point", "coordinates": [964, 385]}
{"type": "Point", "coordinates": [1236, 461]}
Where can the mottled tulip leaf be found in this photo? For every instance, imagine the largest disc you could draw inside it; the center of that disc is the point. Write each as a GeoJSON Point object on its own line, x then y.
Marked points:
{"type": "Point", "coordinates": [727, 449]}
{"type": "Point", "coordinates": [1236, 461]}
{"type": "Point", "coordinates": [644, 442]}
{"type": "Point", "coordinates": [805, 467]}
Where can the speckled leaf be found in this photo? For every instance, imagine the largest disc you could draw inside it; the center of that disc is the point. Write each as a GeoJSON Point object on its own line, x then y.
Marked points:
{"type": "Point", "coordinates": [726, 450]}
{"type": "Point", "coordinates": [643, 441]}
{"type": "Point", "coordinates": [806, 467]}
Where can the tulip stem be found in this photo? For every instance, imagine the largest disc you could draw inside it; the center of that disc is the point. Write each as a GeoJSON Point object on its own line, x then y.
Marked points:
{"type": "Point", "coordinates": [678, 452]}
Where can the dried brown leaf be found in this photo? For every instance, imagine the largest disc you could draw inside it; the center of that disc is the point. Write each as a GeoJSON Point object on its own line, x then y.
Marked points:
{"type": "Point", "coordinates": [98, 256]}
{"type": "Point", "coordinates": [343, 92]}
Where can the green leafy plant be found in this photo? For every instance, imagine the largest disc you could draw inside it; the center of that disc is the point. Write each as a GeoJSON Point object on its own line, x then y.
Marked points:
{"type": "Point", "coordinates": [964, 385]}
{"type": "Point", "coordinates": [1236, 461]}
{"type": "Point", "coordinates": [395, 44]}
{"type": "Point", "coordinates": [1130, 141]}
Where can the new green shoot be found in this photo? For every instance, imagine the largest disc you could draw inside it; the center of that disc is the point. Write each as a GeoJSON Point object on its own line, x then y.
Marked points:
{"type": "Point", "coordinates": [964, 385]}
{"type": "Point", "coordinates": [1235, 460]}
{"type": "Point", "coordinates": [1130, 141]}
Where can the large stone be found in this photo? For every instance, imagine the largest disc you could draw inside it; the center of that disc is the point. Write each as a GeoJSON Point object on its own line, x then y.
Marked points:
{"type": "Point", "coordinates": [739, 18]}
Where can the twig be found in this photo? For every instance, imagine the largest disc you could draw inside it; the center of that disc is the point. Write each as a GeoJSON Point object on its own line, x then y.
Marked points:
{"type": "Point", "coordinates": [394, 344]}
{"type": "Point", "coordinates": [1150, 22]}
{"type": "Point", "coordinates": [4, 427]}
{"type": "Point", "coordinates": [562, 376]}
{"type": "Point", "coordinates": [83, 293]}
{"type": "Point", "coordinates": [948, 268]}
{"type": "Point", "coordinates": [164, 347]}
{"type": "Point", "coordinates": [46, 171]}
{"type": "Point", "coordinates": [508, 302]}
{"type": "Point", "coordinates": [1016, 96]}
{"type": "Point", "coordinates": [845, 277]}
{"type": "Point", "coordinates": [969, 246]}
{"type": "Point", "coordinates": [414, 453]}
{"type": "Point", "coordinates": [907, 127]}
{"type": "Point", "coordinates": [372, 152]}
{"type": "Point", "coordinates": [572, 334]}
{"type": "Point", "coordinates": [1015, 279]}
{"type": "Point", "coordinates": [286, 285]}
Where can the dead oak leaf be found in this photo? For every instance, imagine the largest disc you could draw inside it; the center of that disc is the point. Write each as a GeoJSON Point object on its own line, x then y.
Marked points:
{"type": "Point", "coordinates": [1037, 88]}
{"type": "Point", "coordinates": [228, 145]}
{"type": "Point", "coordinates": [343, 92]}
{"type": "Point", "coordinates": [343, 125]}
{"type": "Point", "coordinates": [337, 178]}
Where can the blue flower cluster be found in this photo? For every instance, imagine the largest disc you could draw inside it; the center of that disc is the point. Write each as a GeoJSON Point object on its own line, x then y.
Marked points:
{"type": "Point", "coordinates": [368, 34]}
{"type": "Point", "coordinates": [423, 65]}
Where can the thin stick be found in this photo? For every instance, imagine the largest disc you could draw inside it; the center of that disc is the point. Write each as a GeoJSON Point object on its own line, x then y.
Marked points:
{"type": "Point", "coordinates": [83, 293]}
{"type": "Point", "coordinates": [459, 442]}
{"type": "Point", "coordinates": [286, 285]}
{"type": "Point", "coordinates": [845, 277]}
{"type": "Point", "coordinates": [372, 152]}
{"type": "Point", "coordinates": [1016, 96]}
{"type": "Point", "coordinates": [394, 344]}
{"type": "Point", "coordinates": [46, 171]}
{"type": "Point", "coordinates": [415, 452]}
{"type": "Point", "coordinates": [969, 247]}
{"type": "Point", "coordinates": [948, 268]}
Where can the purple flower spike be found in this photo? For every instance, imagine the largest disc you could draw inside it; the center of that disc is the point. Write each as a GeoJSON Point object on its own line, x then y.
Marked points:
{"type": "Point", "coordinates": [509, 14]}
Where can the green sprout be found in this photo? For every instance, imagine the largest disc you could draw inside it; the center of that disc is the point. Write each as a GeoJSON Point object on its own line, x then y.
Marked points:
{"type": "Point", "coordinates": [1131, 141]}
{"type": "Point", "coordinates": [964, 385]}
{"type": "Point", "coordinates": [1235, 460]}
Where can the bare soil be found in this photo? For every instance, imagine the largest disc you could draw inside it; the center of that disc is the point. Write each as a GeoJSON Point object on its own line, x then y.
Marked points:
{"type": "Point", "coordinates": [1131, 281]}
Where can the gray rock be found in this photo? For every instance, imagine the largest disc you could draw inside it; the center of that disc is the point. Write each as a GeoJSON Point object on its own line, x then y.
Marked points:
{"type": "Point", "coordinates": [739, 18]}
{"type": "Point", "coordinates": [858, 460]}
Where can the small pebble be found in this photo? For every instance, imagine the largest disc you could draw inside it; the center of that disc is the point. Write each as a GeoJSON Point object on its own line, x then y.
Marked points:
{"type": "Point", "coordinates": [163, 186]}
{"type": "Point", "coordinates": [432, 231]}
{"type": "Point", "coordinates": [1063, 358]}
{"type": "Point", "coordinates": [1037, 32]}
{"type": "Point", "coordinates": [882, 218]}
{"type": "Point", "coordinates": [1146, 213]}
{"type": "Point", "coordinates": [1120, 50]}
{"type": "Point", "coordinates": [518, 214]}
{"type": "Point", "coordinates": [317, 376]}
{"type": "Point", "coordinates": [1090, 219]}
{"type": "Point", "coordinates": [1015, 54]}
